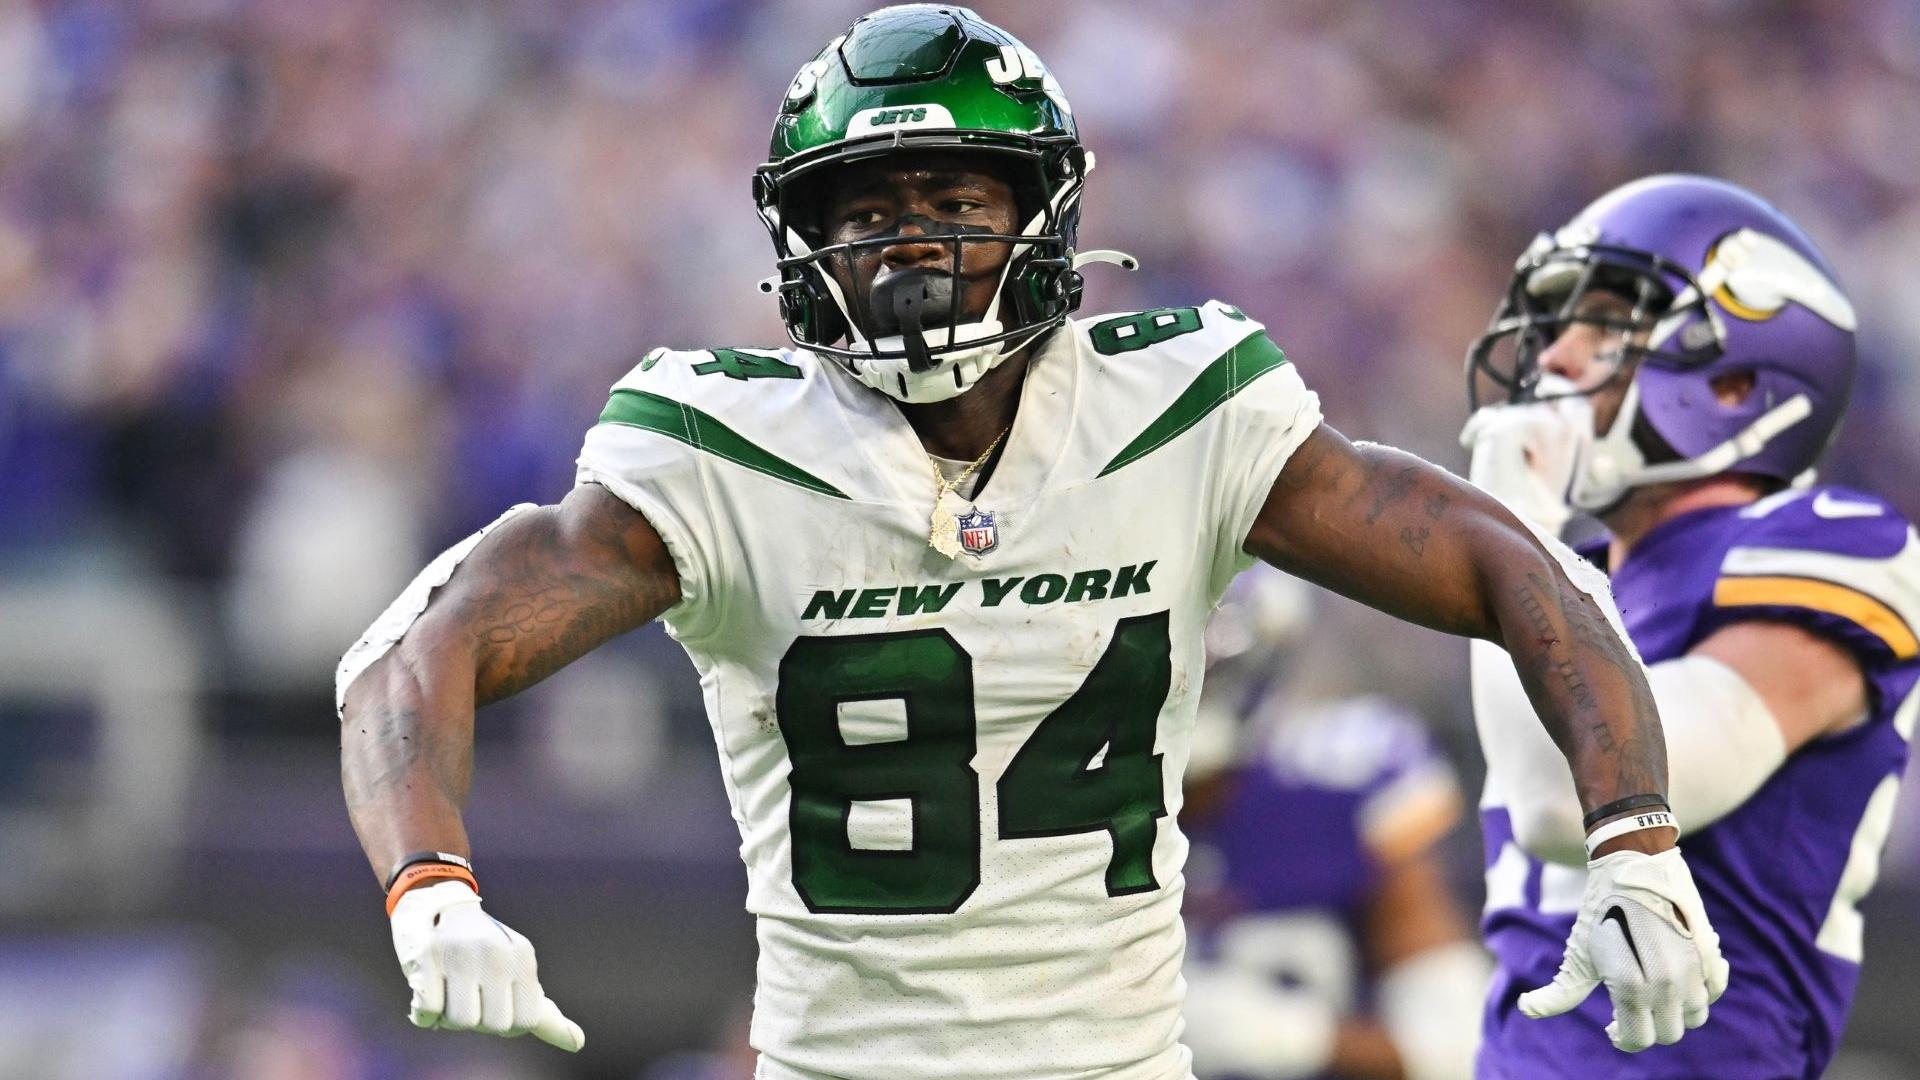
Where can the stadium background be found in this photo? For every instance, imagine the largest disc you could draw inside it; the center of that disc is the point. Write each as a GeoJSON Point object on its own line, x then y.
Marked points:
{"type": "Point", "coordinates": [293, 294]}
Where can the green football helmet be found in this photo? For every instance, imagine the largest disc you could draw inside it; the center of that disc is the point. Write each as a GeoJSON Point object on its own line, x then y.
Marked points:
{"type": "Point", "coordinates": [906, 79]}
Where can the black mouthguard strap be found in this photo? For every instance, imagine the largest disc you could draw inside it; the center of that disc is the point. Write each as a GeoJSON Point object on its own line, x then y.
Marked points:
{"type": "Point", "coordinates": [908, 302]}
{"type": "Point", "coordinates": [909, 308]}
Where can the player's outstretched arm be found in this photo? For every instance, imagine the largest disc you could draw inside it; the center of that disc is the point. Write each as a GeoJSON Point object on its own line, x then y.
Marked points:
{"type": "Point", "coordinates": [544, 587]}
{"type": "Point", "coordinates": [1410, 539]}
{"type": "Point", "coordinates": [1403, 536]}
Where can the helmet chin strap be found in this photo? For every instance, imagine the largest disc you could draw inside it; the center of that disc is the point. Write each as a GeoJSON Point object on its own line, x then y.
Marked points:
{"type": "Point", "coordinates": [1612, 465]}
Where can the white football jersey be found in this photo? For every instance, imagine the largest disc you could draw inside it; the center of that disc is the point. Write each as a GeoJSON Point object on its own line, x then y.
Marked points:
{"type": "Point", "coordinates": [956, 778]}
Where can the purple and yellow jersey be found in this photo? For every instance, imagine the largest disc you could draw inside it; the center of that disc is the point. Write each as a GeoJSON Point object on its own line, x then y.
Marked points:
{"type": "Point", "coordinates": [1782, 874]}
{"type": "Point", "coordinates": [1283, 863]}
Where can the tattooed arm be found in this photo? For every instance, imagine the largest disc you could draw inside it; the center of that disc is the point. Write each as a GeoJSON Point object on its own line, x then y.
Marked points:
{"type": "Point", "coordinates": [544, 588]}
{"type": "Point", "coordinates": [1403, 536]}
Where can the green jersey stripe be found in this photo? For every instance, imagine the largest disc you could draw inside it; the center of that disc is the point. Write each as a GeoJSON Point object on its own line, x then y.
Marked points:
{"type": "Point", "coordinates": [637, 408]}
{"type": "Point", "coordinates": [1253, 357]}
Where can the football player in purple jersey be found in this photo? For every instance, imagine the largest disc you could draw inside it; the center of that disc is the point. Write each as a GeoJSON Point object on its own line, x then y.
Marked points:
{"type": "Point", "coordinates": [1324, 938]}
{"type": "Point", "coordinates": [1674, 361]}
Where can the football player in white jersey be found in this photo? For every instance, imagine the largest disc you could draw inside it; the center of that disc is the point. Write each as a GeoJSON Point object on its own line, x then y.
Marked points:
{"type": "Point", "coordinates": [944, 567]}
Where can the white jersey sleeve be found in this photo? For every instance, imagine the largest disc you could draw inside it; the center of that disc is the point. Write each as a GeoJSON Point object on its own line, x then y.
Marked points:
{"type": "Point", "coordinates": [1266, 421]}
{"type": "Point", "coordinates": [644, 449]}
{"type": "Point", "coordinates": [1241, 408]}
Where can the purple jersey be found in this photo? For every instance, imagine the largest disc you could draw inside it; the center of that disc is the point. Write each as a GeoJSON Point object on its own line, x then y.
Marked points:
{"type": "Point", "coordinates": [1783, 873]}
{"type": "Point", "coordinates": [1282, 865]}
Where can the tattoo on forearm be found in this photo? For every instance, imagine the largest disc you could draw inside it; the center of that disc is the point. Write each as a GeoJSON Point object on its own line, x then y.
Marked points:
{"type": "Point", "coordinates": [1385, 530]}
{"type": "Point", "coordinates": [1554, 656]}
{"type": "Point", "coordinates": [396, 750]}
{"type": "Point", "coordinates": [1572, 645]}
{"type": "Point", "coordinates": [543, 589]}
{"type": "Point", "coordinates": [1602, 737]}
{"type": "Point", "coordinates": [389, 733]}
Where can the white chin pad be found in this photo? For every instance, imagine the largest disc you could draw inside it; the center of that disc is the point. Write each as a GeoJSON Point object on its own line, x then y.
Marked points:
{"type": "Point", "coordinates": [1555, 385]}
{"type": "Point", "coordinates": [936, 337]}
{"type": "Point", "coordinates": [954, 371]}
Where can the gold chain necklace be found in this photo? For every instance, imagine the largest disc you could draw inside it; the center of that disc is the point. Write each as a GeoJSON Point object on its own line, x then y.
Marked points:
{"type": "Point", "coordinates": [943, 529]}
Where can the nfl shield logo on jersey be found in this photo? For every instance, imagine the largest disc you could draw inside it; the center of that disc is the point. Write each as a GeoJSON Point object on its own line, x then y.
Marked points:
{"type": "Point", "coordinates": [978, 533]}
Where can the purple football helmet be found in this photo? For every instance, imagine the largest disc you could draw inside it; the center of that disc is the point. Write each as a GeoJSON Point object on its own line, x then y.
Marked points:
{"type": "Point", "coordinates": [1725, 284]}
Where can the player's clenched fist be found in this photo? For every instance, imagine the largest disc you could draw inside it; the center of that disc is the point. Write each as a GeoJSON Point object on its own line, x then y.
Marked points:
{"type": "Point", "coordinates": [470, 972]}
{"type": "Point", "coordinates": [1644, 933]}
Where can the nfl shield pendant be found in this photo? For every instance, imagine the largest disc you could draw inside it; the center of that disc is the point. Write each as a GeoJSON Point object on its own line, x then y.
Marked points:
{"type": "Point", "coordinates": [978, 533]}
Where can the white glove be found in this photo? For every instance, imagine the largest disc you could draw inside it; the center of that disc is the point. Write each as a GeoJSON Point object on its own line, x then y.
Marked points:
{"type": "Point", "coordinates": [1242, 1024]}
{"type": "Point", "coordinates": [1524, 455]}
{"type": "Point", "coordinates": [470, 972]}
{"type": "Point", "coordinates": [1643, 931]}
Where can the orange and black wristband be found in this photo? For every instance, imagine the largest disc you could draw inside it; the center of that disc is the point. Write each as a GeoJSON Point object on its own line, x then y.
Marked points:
{"type": "Point", "coordinates": [424, 866]}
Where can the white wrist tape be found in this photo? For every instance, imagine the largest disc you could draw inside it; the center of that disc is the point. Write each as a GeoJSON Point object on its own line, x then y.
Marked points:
{"type": "Point", "coordinates": [1632, 823]}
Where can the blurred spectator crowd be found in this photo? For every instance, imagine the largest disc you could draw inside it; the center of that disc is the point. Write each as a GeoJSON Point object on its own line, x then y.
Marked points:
{"type": "Point", "coordinates": [294, 293]}
{"type": "Point", "coordinates": [290, 293]}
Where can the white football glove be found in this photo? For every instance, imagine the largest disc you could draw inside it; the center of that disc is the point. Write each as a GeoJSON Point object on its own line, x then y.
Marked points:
{"type": "Point", "coordinates": [1524, 455]}
{"type": "Point", "coordinates": [1643, 931]}
{"type": "Point", "coordinates": [1240, 1023]}
{"type": "Point", "coordinates": [470, 972]}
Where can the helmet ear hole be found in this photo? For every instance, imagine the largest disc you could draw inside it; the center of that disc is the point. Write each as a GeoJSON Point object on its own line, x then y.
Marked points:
{"type": "Point", "coordinates": [809, 310]}
{"type": "Point", "coordinates": [1731, 388]}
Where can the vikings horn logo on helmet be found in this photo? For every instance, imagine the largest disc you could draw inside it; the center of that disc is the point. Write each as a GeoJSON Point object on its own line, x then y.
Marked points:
{"type": "Point", "coordinates": [1728, 285]}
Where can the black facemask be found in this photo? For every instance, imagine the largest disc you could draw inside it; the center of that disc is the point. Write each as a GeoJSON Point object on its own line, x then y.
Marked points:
{"type": "Point", "coordinates": [907, 301]}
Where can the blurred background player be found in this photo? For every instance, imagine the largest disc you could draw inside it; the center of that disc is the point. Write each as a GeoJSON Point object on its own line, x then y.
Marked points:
{"type": "Point", "coordinates": [1679, 356]}
{"type": "Point", "coordinates": [1324, 940]}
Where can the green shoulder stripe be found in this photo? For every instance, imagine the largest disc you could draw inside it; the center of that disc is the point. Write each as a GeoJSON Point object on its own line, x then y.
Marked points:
{"type": "Point", "coordinates": [637, 408]}
{"type": "Point", "coordinates": [1226, 376]}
